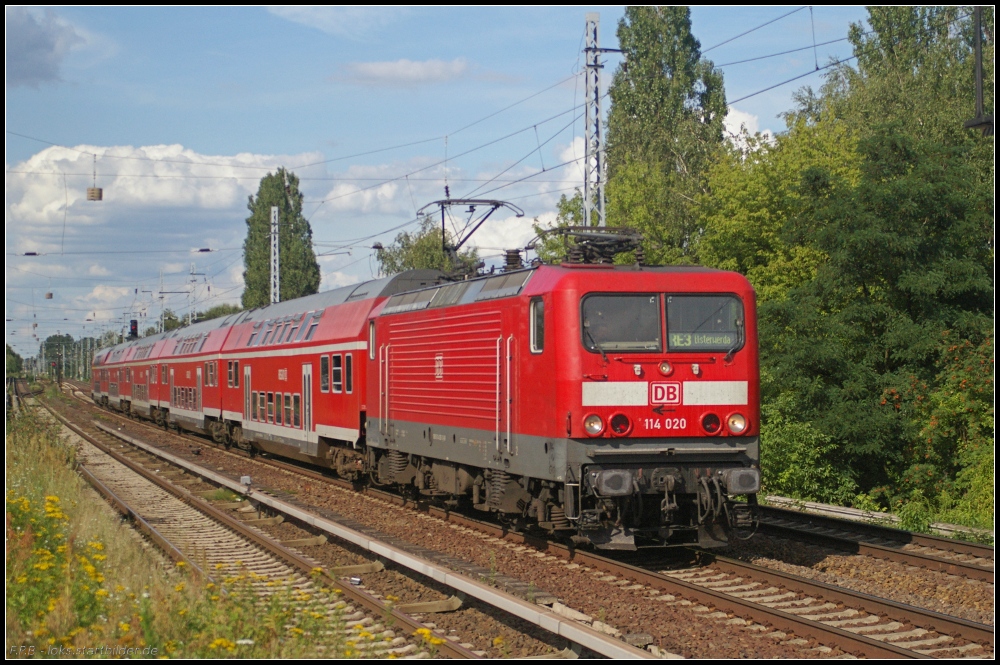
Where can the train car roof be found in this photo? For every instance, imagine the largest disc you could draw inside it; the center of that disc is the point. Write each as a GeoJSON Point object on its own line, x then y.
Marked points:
{"type": "Point", "coordinates": [383, 287]}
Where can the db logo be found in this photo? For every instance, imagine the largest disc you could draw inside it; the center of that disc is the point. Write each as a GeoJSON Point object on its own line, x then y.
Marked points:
{"type": "Point", "coordinates": [665, 393]}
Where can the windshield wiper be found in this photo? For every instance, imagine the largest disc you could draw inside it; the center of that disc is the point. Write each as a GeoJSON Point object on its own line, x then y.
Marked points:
{"type": "Point", "coordinates": [739, 341]}
{"type": "Point", "coordinates": [595, 344]}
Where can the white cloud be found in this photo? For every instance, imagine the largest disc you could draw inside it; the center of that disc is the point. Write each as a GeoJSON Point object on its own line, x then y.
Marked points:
{"type": "Point", "coordinates": [737, 122]}
{"type": "Point", "coordinates": [162, 202]}
{"type": "Point", "coordinates": [404, 72]}
{"type": "Point", "coordinates": [36, 46]}
{"type": "Point", "coordinates": [354, 23]}
{"type": "Point", "coordinates": [497, 235]}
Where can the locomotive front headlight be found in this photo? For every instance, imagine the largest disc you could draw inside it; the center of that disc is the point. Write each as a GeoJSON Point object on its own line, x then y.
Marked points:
{"type": "Point", "coordinates": [666, 369]}
{"type": "Point", "coordinates": [736, 423]}
{"type": "Point", "coordinates": [593, 424]}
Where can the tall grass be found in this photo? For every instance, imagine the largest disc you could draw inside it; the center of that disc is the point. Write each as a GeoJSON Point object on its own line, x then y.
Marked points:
{"type": "Point", "coordinates": [78, 579]}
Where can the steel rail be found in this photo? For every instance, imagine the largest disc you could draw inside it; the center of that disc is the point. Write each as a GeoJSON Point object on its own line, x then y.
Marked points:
{"type": "Point", "coordinates": [881, 532]}
{"type": "Point", "coordinates": [448, 647]}
{"type": "Point", "coordinates": [535, 614]}
{"type": "Point", "coordinates": [928, 561]}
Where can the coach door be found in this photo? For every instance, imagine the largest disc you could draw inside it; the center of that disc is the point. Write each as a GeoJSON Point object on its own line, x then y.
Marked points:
{"type": "Point", "coordinates": [246, 392]}
{"type": "Point", "coordinates": [307, 386]}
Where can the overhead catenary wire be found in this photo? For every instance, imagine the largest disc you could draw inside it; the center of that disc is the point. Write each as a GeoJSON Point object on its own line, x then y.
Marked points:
{"type": "Point", "coordinates": [747, 32]}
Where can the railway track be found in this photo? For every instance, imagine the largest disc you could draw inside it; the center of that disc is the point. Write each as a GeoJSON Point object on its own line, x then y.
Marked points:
{"type": "Point", "coordinates": [270, 509]}
{"type": "Point", "coordinates": [965, 559]}
{"type": "Point", "coordinates": [219, 547]}
{"type": "Point", "coordinates": [745, 595]}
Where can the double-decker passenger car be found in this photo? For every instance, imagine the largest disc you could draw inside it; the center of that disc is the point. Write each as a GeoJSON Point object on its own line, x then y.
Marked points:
{"type": "Point", "coordinates": [616, 404]}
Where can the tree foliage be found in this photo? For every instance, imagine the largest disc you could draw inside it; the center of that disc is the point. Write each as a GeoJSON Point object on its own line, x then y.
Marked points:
{"type": "Point", "coordinates": [664, 127]}
{"type": "Point", "coordinates": [569, 212]}
{"type": "Point", "coordinates": [422, 249]}
{"type": "Point", "coordinates": [300, 275]}
{"type": "Point", "coordinates": [14, 363]}
{"type": "Point", "coordinates": [867, 230]}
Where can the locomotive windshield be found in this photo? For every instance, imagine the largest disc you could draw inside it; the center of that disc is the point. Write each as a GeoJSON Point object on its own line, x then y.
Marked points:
{"type": "Point", "coordinates": [704, 323]}
{"type": "Point", "coordinates": [622, 322]}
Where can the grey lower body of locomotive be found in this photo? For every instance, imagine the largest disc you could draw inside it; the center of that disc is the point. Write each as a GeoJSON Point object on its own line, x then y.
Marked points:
{"type": "Point", "coordinates": [613, 493]}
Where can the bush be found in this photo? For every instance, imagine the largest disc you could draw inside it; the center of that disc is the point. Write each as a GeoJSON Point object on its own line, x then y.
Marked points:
{"type": "Point", "coordinates": [798, 461]}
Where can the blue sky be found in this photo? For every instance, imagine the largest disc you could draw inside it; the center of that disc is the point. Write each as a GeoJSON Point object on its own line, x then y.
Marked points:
{"type": "Point", "coordinates": [186, 108]}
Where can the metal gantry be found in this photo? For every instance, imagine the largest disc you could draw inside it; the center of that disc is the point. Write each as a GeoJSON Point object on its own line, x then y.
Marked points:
{"type": "Point", "coordinates": [594, 167]}
{"type": "Point", "coordinates": [275, 258]}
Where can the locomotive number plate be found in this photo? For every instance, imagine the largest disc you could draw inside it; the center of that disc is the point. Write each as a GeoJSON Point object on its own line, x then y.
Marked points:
{"type": "Point", "coordinates": [668, 392]}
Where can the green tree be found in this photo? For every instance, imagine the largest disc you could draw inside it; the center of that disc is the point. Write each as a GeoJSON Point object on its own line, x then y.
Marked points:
{"type": "Point", "coordinates": [664, 126]}
{"type": "Point", "coordinates": [300, 275]}
{"type": "Point", "coordinates": [757, 219]}
{"type": "Point", "coordinates": [14, 361]}
{"type": "Point", "coordinates": [217, 312]}
{"type": "Point", "coordinates": [569, 212]}
{"type": "Point", "coordinates": [422, 249]}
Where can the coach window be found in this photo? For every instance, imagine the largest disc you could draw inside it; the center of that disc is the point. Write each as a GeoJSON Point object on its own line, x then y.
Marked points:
{"type": "Point", "coordinates": [236, 374]}
{"type": "Point", "coordinates": [277, 409]}
{"type": "Point", "coordinates": [270, 407]}
{"type": "Point", "coordinates": [305, 327]}
{"type": "Point", "coordinates": [291, 333]}
{"type": "Point", "coordinates": [324, 374]}
{"type": "Point", "coordinates": [537, 325]}
{"type": "Point", "coordinates": [338, 373]}
{"type": "Point", "coordinates": [349, 372]}
{"type": "Point", "coordinates": [229, 373]}
{"type": "Point", "coordinates": [253, 406]}
{"type": "Point", "coordinates": [262, 397]}
{"type": "Point", "coordinates": [371, 340]}
{"type": "Point", "coordinates": [163, 373]}
{"type": "Point", "coordinates": [152, 373]}
{"type": "Point", "coordinates": [288, 409]}
{"type": "Point", "coordinates": [295, 409]}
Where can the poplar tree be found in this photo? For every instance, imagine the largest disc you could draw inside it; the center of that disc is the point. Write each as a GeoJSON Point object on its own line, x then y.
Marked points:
{"type": "Point", "coordinates": [300, 274]}
{"type": "Point", "coordinates": [665, 124]}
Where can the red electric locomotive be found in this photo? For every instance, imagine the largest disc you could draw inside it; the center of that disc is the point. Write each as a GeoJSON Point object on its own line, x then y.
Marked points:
{"type": "Point", "coordinates": [614, 404]}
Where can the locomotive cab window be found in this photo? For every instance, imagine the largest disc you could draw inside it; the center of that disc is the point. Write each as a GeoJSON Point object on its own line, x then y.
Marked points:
{"type": "Point", "coordinates": [537, 325]}
{"type": "Point", "coordinates": [704, 323]}
{"type": "Point", "coordinates": [621, 322]}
